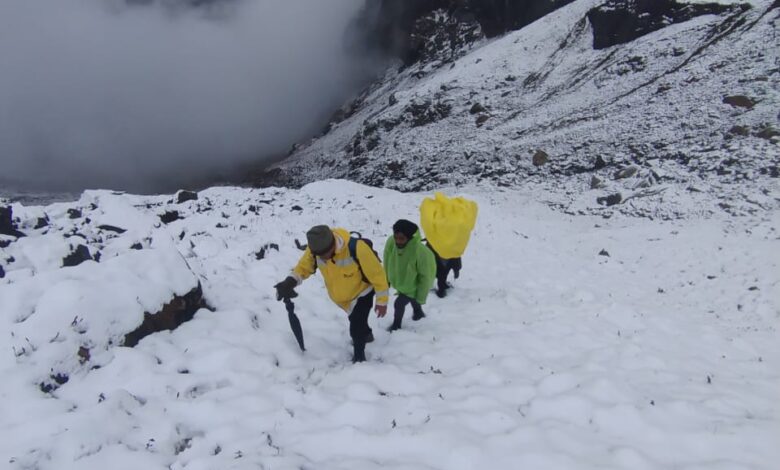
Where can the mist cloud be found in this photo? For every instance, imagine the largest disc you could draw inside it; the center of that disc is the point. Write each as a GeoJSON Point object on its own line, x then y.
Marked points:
{"type": "Point", "coordinates": [99, 93]}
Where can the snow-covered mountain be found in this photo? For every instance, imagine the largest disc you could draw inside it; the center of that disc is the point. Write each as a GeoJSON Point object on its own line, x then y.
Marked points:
{"type": "Point", "coordinates": [567, 342]}
{"type": "Point", "coordinates": [143, 332]}
{"type": "Point", "coordinates": [654, 108]}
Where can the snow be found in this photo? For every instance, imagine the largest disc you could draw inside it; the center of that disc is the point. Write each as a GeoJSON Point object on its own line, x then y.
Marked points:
{"type": "Point", "coordinates": [661, 353]}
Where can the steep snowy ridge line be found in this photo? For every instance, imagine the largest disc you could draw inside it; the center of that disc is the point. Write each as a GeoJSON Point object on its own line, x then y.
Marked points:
{"type": "Point", "coordinates": [592, 112]}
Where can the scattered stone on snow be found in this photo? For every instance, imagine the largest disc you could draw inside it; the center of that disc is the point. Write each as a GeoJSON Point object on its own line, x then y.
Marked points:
{"type": "Point", "coordinates": [179, 310]}
{"type": "Point", "coordinates": [169, 216]}
{"type": "Point", "coordinates": [739, 101]}
{"type": "Point", "coordinates": [610, 200]}
{"type": "Point", "coordinates": [540, 158]}
{"type": "Point", "coordinates": [184, 196]}
{"type": "Point", "coordinates": [77, 256]}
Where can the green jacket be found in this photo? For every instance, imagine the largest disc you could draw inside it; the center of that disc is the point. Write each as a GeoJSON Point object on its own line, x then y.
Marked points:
{"type": "Point", "coordinates": [411, 270]}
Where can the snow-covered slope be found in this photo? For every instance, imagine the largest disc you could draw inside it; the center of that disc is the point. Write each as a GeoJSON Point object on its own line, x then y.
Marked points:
{"type": "Point", "coordinates": [689, 111]}
{"type": "Point", "coordinates": [567, 342]}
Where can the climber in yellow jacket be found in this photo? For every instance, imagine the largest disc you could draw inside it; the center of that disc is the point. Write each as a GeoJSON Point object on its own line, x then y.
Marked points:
{"type": "Point", "coordinates": [353, 276]}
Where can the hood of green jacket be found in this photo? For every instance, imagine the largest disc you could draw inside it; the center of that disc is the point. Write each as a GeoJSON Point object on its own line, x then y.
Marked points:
{"type": "Point", "coordinates": [411, 270]}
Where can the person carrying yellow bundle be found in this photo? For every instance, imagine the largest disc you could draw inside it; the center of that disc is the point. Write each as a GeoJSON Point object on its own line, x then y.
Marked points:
{"type": "Point", "coordinates": [447, 223]}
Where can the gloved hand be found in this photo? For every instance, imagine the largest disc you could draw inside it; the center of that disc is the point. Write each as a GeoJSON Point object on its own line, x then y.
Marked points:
{"type": "Point", "coordinates": [381, 310]}
{"type": "Point", "coordinates": [286, 289]}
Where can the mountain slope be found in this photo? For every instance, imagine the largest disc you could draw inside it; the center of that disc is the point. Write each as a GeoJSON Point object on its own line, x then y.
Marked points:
{"type": "Point", "coordinates": [567, 342]}
{"type": "Point", "coordinates": [689, 111]}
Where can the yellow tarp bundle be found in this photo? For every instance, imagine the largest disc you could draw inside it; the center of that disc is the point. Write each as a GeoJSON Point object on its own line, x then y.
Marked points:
{"type": "Point", "coordinates": [447, 223]}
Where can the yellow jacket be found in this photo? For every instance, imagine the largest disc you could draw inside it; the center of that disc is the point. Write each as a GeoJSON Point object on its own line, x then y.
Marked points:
{"type": "Point", "coordinates": [342, 275]}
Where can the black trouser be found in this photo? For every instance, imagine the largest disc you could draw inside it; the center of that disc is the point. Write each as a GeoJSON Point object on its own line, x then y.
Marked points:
{"type": "Point", "coordinates": [400, 307]}
{"type": "Point", "coordinates": [358, 321]}
{"type": "Point", "coordinates": [443, 268]}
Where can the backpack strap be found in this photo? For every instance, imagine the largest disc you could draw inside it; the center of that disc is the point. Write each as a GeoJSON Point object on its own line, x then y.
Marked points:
{"type": "Point", "coordinates": [352, 245]}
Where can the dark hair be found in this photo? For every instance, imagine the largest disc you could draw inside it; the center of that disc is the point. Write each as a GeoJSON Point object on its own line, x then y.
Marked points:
{"type": "Point", "coordinates": [406, 227]}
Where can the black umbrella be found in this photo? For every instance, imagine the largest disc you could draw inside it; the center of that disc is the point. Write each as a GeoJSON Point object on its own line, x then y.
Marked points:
{"type": "Point", "coordinates": [295, 324]}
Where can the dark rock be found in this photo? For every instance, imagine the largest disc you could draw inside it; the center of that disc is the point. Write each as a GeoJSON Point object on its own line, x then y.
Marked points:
{"type": "Point", "coordinates": [296, 208]}
{"type": "Point", "coordinates": [739, 101]}
{"type": "Point", "coordinates": [83, 354]}
{"type": "Point", "coordinates": [111, 228]}
{"type": "Point", "coordinates": [619, 21]}
{"type": "Point", "coordinates": [389, 124]}
{"type": "Point", "coordinates": [179, 310]}
{"type": "Point", "coordinates": [596, 182]}
{"type": "Point", "coordinates": [74, 213]}
{"type": "Point", "coordinates": [627, 172]}
{"type": "Point", "coordinates": [4, 243]}
{"type": "Point", "coordinates": [7, 225]}
{"type": "Point", "coordinates": [477, 108]}
{"type": "Point", "coordinates": [41, 222]}
{"type": "Point", "coordinates": [2, 272]}
{"type": "Point", "coordinates": [53, 383]}
{"type": "Point", "coordinates": [184, 196]}
{"type": "Point", "coordinates": [600, 163]}
{"type": "Point", "coordinates": [604, 253]}
{"type": "Point", "coordinates": [739, 130]}
{"type": "Point", "coordinates": [136, 246]}
{"type": "Point", "coordinates": [768, 132]}
{"type": "Point", "coordinates": [261, 254]}
{"type": "Point", "coordinates": [427, 112]}
{"type": "Point", "coordinates": [372, 143]}
{"type": "Point", "coordinates": [169, 216]}
{"type": "Point", "coordinates": [77, 256]}
{"type": "Point", "coordinates": [392, 26]}
{"type": "Point", "coordinates": [540, 158]}
{"type": "Point", "coordinates": [441, 36]}
{"type": "Point", "coordinates": [610, 200]}
{"type": "Point", "coordinates": [481, 119]}
{"type": "Point", "coordinates": [392, 101]}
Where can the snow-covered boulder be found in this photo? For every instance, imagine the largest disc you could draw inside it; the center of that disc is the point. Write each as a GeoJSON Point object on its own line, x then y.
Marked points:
{"type": "Point", "coordinates": [59, 319]}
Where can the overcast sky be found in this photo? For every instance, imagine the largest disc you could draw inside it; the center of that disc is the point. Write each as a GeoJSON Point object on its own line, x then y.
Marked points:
{"type": "Point", "coordinates": [94, 93]}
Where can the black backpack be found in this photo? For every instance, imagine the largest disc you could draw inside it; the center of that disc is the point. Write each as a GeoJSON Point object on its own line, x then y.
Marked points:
{"type": "Point", "coordinates": [352, 245]}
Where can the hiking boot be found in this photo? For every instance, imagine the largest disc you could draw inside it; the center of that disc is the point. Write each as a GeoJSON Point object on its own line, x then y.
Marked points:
{"type": "Point", "coordinates": [359, 356]}
{"type": "Point", "coordinates": [418, 315]}
{"type": "Point", "coordinates": [394, 326]}
{"type": "Point", "coordinates": [441, 293]}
